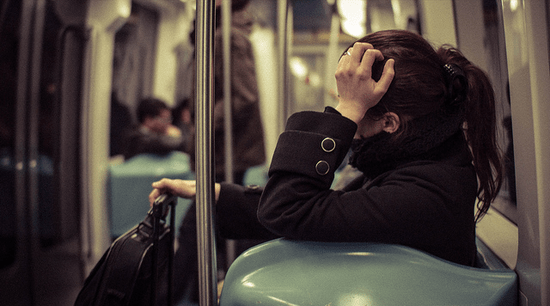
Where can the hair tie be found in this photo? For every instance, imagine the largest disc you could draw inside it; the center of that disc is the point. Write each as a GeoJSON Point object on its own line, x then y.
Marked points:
{"type": "Point", "coordinates": [456, 92]}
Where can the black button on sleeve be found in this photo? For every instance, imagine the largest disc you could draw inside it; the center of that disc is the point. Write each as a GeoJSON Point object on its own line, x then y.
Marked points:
{"type": "Point", "coordinates": [328, 144]}
{"type": "Point", "coordinates": [322, 167]}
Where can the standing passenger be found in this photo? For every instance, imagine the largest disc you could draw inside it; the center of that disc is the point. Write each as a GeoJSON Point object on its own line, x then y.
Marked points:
{"type": "Point", "coordinates": [248, 135]}
{"type": "Point", "coordinates": [248, 138]}
{"type": "Point", "coordinates": [421, 125]}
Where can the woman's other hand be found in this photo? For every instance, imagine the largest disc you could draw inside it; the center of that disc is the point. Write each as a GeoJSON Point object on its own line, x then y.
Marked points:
{"type": "Point", "coordinates": [357, 91]}
{"type": "Point", "coordinates": [182, 188]}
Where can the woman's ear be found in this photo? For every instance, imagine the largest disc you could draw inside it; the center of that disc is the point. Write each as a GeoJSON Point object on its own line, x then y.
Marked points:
{"type": "Point", "coordinates": [391, 122]}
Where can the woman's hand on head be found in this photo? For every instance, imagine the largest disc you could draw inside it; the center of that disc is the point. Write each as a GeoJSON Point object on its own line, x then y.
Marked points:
{"type": "Point", "coordinates": [357, 90]}
{"type": "Point", "coordinates": [182, 188]}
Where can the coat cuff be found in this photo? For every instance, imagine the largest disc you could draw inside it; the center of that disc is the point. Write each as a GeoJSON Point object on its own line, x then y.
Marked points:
{"type": "Point", "coordinates": [314, 144]}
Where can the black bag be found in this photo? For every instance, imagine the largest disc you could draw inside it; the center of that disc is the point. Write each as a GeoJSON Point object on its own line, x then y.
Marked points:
{"type": "Point", "coordinates": [137, 267]}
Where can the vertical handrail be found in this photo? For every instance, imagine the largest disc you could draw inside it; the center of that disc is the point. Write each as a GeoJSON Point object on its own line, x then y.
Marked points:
{"type": "Point", "coordinates": [23, 245]}
{"type": "Point", "coordinates": [228, 127]}
{"type": "Point", "coordinates": [33, 113]}
{"type": "Point", "coordinates": [204, 152]}
{"type": "Point", "coordinates": [227, 109]}
{"type": "Point", "coordinates": [283, 40]}
{"type": "Point", "coordinates": [332, 54]}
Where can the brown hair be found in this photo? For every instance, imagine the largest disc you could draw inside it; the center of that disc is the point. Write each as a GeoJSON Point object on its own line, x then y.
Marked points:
{"type": "Point", "coordinates": [150, 107]}
{"type": "Point", "coordinates": [420, 87]}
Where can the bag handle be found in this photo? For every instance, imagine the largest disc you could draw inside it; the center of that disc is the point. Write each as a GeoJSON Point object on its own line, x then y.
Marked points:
{"type": "Point", "coordinates": [161, 206]}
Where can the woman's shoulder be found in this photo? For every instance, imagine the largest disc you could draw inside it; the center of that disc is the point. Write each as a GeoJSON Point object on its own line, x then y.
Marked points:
{"type": "Point", "coordinates": [450, 161]}
{"type": "Point", "coordinates": [439, 177]}
{"type": "Point", "coordinates": [435, 169]}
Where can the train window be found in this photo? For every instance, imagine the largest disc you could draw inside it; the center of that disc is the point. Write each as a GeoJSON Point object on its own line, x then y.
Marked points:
{"type": "Point", "coordinates": [314, 58]}
{"type": "Point", "coordinates": [497, 54]}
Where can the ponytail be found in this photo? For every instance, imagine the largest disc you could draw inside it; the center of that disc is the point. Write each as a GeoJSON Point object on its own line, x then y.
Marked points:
{"type": "Point", "coordinates": [480, 127]}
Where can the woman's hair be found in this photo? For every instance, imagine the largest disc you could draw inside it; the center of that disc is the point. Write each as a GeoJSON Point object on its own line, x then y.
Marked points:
{"type": "Point", "coordinates": [420, 87]}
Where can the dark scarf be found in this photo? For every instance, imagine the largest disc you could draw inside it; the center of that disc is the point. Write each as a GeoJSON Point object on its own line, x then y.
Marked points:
{"type": "Point", "coordinates": [423, 139]}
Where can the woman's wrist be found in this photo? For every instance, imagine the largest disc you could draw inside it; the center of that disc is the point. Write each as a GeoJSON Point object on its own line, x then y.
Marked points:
{"type": "Point", "coordinates": [350, 113]}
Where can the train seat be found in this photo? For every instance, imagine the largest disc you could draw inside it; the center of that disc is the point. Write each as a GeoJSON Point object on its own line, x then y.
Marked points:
{"type": "Point", "coordinates": [285, 272]}
{"type": "Point", "coordinates": [130, 185]}
{"type": "Point", "coordinates": [256, 175]}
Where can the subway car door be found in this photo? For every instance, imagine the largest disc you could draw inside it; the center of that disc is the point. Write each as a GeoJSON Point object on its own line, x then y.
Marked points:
{"type": "Point", "coordinates": [41, 51]}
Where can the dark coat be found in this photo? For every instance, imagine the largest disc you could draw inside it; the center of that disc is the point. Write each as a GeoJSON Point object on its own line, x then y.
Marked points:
{"type": "Point", "coordinates": [424, 204]}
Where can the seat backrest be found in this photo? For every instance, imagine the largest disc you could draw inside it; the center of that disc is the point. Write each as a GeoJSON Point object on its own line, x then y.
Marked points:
{"type": "Point", "coordinates": [315, 273]}
{"type": "Point", "coordinates": [130, 185]}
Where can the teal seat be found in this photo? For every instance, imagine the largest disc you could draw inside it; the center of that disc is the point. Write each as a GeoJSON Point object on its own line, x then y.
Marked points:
{"type": "Point", "coordinates": [130, 185]}
{"type": "Point", "coordinates": [256, 175]}
{"type": "Point", "coordinates": [285, 272]}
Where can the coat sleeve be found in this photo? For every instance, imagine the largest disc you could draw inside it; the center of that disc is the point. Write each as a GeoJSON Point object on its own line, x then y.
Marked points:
{"type": "Point", "coordinates": [236, 213]}
{"type": "Point", "coordinates": [313, 145]}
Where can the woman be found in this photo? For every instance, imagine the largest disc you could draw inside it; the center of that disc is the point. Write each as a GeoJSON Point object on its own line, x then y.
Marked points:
{"type": "Point", "coordinates": [421, 126]}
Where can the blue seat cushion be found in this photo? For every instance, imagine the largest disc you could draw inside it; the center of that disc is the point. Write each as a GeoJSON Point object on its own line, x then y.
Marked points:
{"type": "Point", "coordinates": [285, 272]}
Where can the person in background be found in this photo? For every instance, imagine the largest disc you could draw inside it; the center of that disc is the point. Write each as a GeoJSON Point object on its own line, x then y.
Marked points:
{"type": "Point", "coordinates": [183, 119]}
{"type": "Point", "coordinates": [155, 132]}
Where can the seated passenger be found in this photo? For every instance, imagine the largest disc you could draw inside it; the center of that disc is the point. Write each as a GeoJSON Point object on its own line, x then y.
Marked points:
{"type": "Point", "coordinates": [421, 126]}
{"type": "Point", "coordinates": [155, 133]}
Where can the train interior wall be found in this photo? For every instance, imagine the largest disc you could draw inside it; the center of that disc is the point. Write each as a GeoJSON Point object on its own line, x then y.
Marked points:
{"type": "Point", "coordinates": [55, 159]}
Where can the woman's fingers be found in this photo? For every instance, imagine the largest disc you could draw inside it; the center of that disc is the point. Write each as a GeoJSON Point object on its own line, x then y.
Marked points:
{"type": "Point", "coordinates": [358, 50]}
{"type": "Point", "coordinates": [369, 57]}
{"type": "Point", "coordinates": [159, 188]}
{"type": "Point", "coordinates": [180, 188]}
{"type": "Point", "coordinates": [360, 61]}
{"type": "Point", "coordinates": [353, 56]}
{"type": "Point", "coordinates": [387, 77]}
{"type": "Point", "coordinates": [153, 196]}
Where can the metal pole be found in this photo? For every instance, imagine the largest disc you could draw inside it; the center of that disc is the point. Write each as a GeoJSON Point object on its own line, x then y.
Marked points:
{"type": "Point", "coordinates": [204, 152]}
{"type": "Point", "coordinates": [283, 40]}
{"type": "Point", "coordinates": [228, 127]}
{"type": "Point", "coordinates": [227, 108]}
{"type": "Point", "coordinates": [332, 55]}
